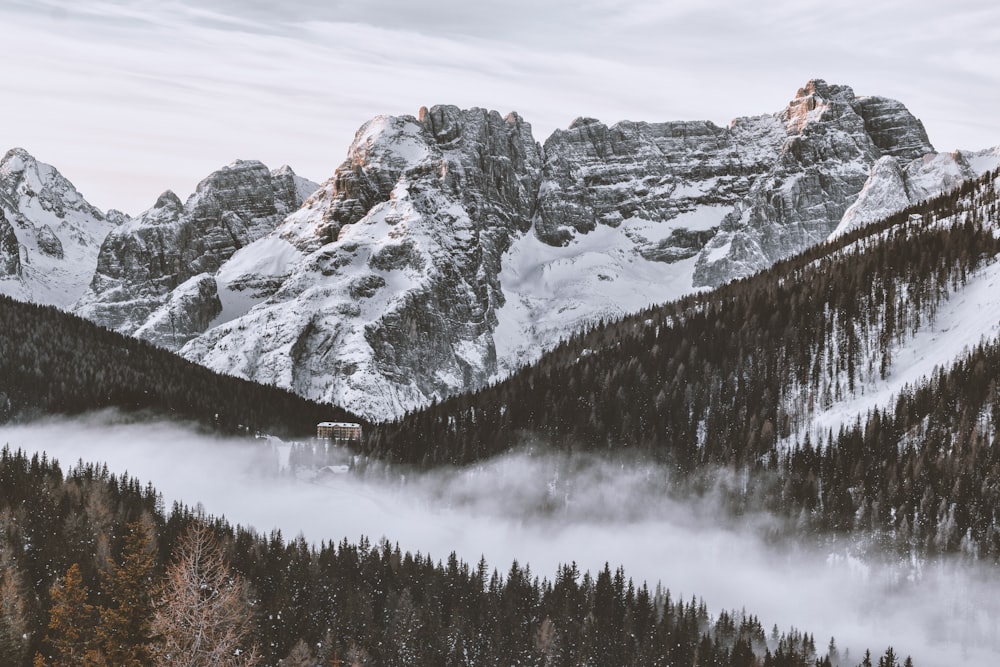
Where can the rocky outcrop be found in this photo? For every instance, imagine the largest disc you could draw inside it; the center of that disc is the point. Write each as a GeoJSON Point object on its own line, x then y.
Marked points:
{"type": "Point", "coordinates": [833, 141]}
{"type": "Point", "coordinates": [189, 310]}
{"type": "Point", "coordinates": [10, 255]}
{"type": "Point", "coordinates": [658, 172]}
{"type": "Point", "coordinates": [386, 282]}
{"type": "Point", "coordinates": [894, 185]}
{"type": "Point", "coordinates": [49, 234]}
{"type": "Point", "coordinates": [143, 261]}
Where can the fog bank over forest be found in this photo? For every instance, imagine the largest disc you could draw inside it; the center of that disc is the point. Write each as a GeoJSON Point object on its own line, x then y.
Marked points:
{"type": "Point", "coordinates": [545, 509]}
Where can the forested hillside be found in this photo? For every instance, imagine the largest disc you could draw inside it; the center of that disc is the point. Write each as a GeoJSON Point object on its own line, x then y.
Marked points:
{"type": "Point", "coordinates": [735, 378]}
{"type": "Point", "coordinates": [55, 363]}
{"type": "Point", "coordinates": [94, 571]}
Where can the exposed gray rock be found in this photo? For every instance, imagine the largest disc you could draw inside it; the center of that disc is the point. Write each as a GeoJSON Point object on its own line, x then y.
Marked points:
{"type": "Point", "coordinates": [188, 311]}
{"type": "Point", "coordinates": [389, 296]}
{"type": "Point", "coordinates": [834, 139]}
{"type": "Point", "coordinates": [49, 243]}
{"type": "Point", "coordinates": [57, 233]}
{"type": "Point", "coordinates": [10, 256]}
{"type": "Point", "coordinates": [143, 260]}
{"type": "Point", "coordinates": [892, 128]}
{"type": "Point", "coordinates": [653, 171]}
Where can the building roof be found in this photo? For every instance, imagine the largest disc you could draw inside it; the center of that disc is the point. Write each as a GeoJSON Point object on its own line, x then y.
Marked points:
{"type": "Point", "coordinates": [348, 424]}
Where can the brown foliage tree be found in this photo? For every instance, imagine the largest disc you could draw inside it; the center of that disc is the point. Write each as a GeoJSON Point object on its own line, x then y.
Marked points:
{"type": "Point", "coordinates": [203, 617]}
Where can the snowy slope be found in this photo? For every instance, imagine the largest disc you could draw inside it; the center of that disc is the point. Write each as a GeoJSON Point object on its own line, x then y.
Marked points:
{"type": "Point", "coordinates": [54, 234]}
{"type": "Point", "coordinates": [894, 185]}
{"type": "Point", "coordinates": [968, 315]}
{"type": "Point", "coordinates": [553, 291]}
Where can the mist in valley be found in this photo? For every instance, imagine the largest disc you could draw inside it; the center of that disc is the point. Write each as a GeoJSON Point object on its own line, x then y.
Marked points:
{"type": "Point", "coordinates": [544, 509]}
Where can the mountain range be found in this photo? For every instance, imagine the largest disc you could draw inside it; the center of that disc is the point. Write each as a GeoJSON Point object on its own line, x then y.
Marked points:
{"type": "Point", "coordinates": [451, 248]}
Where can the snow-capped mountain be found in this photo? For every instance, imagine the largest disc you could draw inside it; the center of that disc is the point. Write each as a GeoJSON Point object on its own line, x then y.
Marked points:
{"type": "Point", "coordinates": [154, 275]}
{"type": "Point", "coordinates": [449, 249]}
{"type": "Point", "coordinates": [895, 184]}
{"type": "Point", "coordinates": [49, 234]}
{"type": "Point", "coordinates": [832, 140]}
{"type": "Point", "coordinates": [382, 291]}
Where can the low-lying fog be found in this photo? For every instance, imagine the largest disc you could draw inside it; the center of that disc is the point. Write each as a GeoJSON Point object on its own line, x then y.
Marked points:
{"type": "Point", "coordinates": [526, 507]}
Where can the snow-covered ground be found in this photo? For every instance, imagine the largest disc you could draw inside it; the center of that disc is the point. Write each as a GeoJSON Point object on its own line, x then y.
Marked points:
{"type": "Point", "coordinates": [967, 317]}
{"type": "Point", "coordinates": [552, 292]}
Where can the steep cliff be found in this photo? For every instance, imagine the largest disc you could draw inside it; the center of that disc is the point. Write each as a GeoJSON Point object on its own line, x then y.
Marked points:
{"type": "Point", "coordinates": [833, 139]}
{"type": "Point", "coordinates": [381, 292]}
{"type": "Point", "coordinates": [49, 234]}
{"type": "Point", "coordinates": [144, 260]}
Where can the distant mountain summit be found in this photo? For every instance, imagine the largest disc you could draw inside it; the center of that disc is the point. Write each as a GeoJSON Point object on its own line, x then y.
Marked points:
{"type": "Point", "coordinates": [154, 275]}
{"type": "Point", "coordinates": [450, 248]}
{"type": "Point", "coordinates": [49, 234]}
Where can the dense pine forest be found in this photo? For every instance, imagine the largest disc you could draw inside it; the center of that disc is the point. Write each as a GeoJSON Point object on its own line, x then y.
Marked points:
{"type": "Point", "coordinates": [729, 380]}
{"type": "Point", "coordinates": [55, 363]}
{"type": "Point", "coordinates": [94, 571]}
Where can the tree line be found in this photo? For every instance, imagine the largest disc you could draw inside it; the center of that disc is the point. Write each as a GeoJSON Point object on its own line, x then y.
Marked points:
{"type": "Point", "coordinates": [52, 362]}
{"type": "Point", "coordinates": [733, 378]}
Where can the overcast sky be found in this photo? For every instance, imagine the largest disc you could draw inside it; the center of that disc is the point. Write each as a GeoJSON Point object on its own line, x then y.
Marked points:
{"type": "Point", "coordinates": [130, 98]}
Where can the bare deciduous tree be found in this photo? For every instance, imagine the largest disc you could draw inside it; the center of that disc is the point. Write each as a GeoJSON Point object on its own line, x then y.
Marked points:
{"type": "Point", "coordinates": [203, 618]}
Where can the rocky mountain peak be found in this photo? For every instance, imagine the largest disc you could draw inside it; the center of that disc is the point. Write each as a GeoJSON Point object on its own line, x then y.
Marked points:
{"type": "Point", "coordinates": [582, 121]}
{"type": "Point", "coordinates": [169, 200]}
{"type": "Point", "coordinates": [50, 234]}
{"type": "Point", "coordinates": [23, 178]}
{"type": "Point", "coordinates": [821, 90]}
{"type": "Point", "coordinates": [388, 277]}
{"type": "Point", "coordinates": [243, 187]}
{"type": "Point", "coordinates": [833, 141]}
{"type": "Point", "coordinates": [15, 160]}
{"type": "Point", "coordinates": [152, 267]}
{"type": "Point", "coordinates": [892, 128]}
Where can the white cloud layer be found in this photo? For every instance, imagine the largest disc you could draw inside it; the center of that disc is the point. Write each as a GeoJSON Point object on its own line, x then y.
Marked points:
{"type": "Point", "coordinates": [545, 511]}
{"type": "Point", "coordinates": [130, 98]}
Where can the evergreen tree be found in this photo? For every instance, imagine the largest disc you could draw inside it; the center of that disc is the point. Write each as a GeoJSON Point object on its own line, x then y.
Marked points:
{"type": "Point", "coordinates": [15, 613]}
{"type": "Point", "coordinates": [71, 636]}
{"type": "Point", "coordinates": [125, 633]}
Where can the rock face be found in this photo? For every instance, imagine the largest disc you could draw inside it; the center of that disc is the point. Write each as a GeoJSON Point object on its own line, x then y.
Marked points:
{"type": "Point", "coordinates": [49, 234]}
{"type": "Point", "coordinates": [894, 185]}
{"type": "Point", "coordinates": [685, 175]}
{"type": "Point", "coordinates": [381, 292]}
{"type": "Point", "coordinates": [144, 260]}
{"type": "Point", "coordinates": [10, 255]}
{"type": "Point", "coordinates": [449, 248]}
{"type": "Point", "coordinates": [833, 139]}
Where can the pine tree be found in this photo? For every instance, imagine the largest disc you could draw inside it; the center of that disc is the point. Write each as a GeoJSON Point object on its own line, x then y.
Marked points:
{"type": "Point", "coordinates": [72, 624]}
{"type": "Point", "coordinates": [125, 633]}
